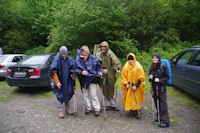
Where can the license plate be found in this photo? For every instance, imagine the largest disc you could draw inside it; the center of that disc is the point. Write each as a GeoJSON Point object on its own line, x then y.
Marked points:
{"type": "Point", "coordinates": [20, 73]}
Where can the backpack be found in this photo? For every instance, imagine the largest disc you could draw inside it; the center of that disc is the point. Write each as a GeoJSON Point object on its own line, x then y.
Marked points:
{"type": "Point", "coordinates": [166, 62]}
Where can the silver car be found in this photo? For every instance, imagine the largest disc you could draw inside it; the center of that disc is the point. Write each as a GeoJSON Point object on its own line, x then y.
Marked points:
{"type": "Point", "coordinates": [7, 60]}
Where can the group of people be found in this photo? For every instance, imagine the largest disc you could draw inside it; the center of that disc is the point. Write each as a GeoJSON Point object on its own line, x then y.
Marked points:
{"type": "Point", "coordinates": [104, 65]}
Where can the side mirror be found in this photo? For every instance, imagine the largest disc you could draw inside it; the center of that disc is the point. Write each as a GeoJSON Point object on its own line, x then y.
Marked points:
{"type": "Point", "coordinates": [173, 61]}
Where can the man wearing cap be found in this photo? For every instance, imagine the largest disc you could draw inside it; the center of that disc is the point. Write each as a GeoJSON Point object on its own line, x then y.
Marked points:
{"type": "Point", "coordinates": [111, 65]}
{"type": "Point", "coordinates": [61, 71]}
{"type": "Point", "coordinates": [133, 83]}
{"type": "Point", "coordinates": [159, 76]}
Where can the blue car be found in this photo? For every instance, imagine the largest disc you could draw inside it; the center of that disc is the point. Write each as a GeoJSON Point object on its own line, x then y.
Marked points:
{"type": "Point", "coordinates": [185, 69]}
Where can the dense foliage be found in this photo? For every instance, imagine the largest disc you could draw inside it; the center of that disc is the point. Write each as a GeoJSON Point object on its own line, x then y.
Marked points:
{"type": "Point", "coordinates": [138, 26]}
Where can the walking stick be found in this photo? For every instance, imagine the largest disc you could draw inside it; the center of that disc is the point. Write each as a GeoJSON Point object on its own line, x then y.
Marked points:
{"type": "Point", "coordinates": [152, 101]}
{"type": "Point", "coordinates": [125, 98]}
{"type": "Point", "coordinates": [116, 92]}
{"type": "Point", "coordinates": [126, 93]}
{"type": "Point", "coordinates": [158, 109]}
{"type": "Point", "coordinates": [75, 103]}
{"type": "Point", "coordinates": [101, 87]}
{"type": "Point", "coordinates": [136, 101]}
{"type": "Point", "coordinates": [84, 89]}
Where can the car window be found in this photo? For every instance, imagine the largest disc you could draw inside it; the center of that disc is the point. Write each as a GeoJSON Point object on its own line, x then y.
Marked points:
{"type": "Point", "coordinates": [185, 58]}
{"type": "Point", "coordinates": [34, 60]}
{"type": "Point", "coordinates": [174, 59]}
{"type": "Point", "coordinates": [196, 60]}
{"type": "Point", "coordinates": [23, 56]}
{"type": "Point", "coordinates": [17, 58]}
{"type": "Point", "coordinates": [2, 58]}
{"type": "Point", "coordinates": [51, 59]}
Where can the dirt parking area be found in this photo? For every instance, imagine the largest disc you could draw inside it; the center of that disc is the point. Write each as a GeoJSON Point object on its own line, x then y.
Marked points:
{"type": "Point", "coordinates": [33, 110]}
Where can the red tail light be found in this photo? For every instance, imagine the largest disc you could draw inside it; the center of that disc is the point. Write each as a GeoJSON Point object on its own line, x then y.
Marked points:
{"type": "Point", "coordinates": [1, 66]}
{"type": "Point", "coordinates": [8, 72]}
{"type": "Point", "coordinates": [34, 71]}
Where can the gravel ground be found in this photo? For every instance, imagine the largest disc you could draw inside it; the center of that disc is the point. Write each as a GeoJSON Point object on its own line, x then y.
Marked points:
{"type": "Point", "coordinates": [25, 113]}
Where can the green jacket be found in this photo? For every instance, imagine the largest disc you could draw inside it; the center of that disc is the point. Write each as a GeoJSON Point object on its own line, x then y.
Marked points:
{"type": "Point", "coordinates": [109, 61]}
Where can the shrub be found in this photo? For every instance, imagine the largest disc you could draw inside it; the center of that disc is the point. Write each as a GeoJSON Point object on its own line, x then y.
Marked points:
{"type": "Point", "coordinates": [37, 50]}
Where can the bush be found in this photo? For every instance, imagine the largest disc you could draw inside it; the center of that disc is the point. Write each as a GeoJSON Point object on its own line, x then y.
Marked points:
{"type": "Point", "coordinates": [37, 50]}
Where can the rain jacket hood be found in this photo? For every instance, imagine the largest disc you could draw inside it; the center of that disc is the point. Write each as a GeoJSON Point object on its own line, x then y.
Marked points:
{"type": "Point", "coordinates": [134, 58]}
{"type": "Point", "coordinates": [105, 44]}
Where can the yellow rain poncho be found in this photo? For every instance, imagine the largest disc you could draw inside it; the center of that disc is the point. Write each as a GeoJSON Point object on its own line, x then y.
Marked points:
{"type": "Point", "coordinates": [132, 73]}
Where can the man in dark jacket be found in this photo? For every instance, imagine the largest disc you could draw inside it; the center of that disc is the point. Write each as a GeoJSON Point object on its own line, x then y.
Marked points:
{"type": "Point", "coordinates": [159, 77]}
{"type": "Point", "coordinates": [61, 71]}
{"type": "Point", "coordinates": [88, 67]}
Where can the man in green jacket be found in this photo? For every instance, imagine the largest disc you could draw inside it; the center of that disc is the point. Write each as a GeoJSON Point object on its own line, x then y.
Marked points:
{"type": "Point", "coordinates": [111, 65]}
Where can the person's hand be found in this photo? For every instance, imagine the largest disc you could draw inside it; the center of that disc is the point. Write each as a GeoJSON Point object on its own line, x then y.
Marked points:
{"type": "Point", "coordinates": [84, 73]}
{"type": "Point", "coordinates": [105, 71]}
{"type": "Point", "coordinates": [157, 80]}
{"type": "Point", "coordinates": [100, 74]}
{"type": "Point", "coordinates": [134, 87]}
{"type": "Point", "coordinates": [118, 71]}
{"type": "Point", "coordinates": [127, 86]}
{"type": "Point", "coordinates": [73, 76]}
{"type": "Point", "coordinates": [150, 76]}
{"type": "Point", "coordinates": [58, 85]}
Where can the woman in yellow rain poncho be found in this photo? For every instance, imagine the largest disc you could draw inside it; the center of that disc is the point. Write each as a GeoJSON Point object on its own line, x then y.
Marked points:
{"type": "Point", "coordinates": [133, 81]}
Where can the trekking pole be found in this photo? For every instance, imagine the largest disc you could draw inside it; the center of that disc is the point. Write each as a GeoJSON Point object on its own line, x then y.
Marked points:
{"type": "Point", "coordinates": [116, 90]}
{"type": "Point", "coordinates": [75, 103]}
{"type": "Point", "coordinates": [84, 89]}
{"type": "Point", "coordinates": [136, 101]}
{"type": "Point", "coordinates": [101, 87]}
{"type": "Point", "coordinates": [125, 98]}
{"type": "Point", "coordinates": [158, 109]}
{"type": "Point", "coordinates": [152, 104]}
{"type": "Point", "coordinates": [126, 93]}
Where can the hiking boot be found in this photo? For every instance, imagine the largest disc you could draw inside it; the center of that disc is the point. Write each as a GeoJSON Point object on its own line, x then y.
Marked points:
{"type": "Point", "coordinates": [87, 111]}
{"type": "Point", "coordinates": [137, 117]}
{"type": "Point", "coordinates": [108, 108]}
{"type": "Point", "coordinates": [156, 120]}
{"type": "Point", "coordinates": [136, 114]}
{"type": "Point", "coordinates": [97, 113]}
{"type": "Point", "coordinates": [115, 108]}
{"type": "Point", "coordinates": [60, 110]}
{"type": "Point", "coordinates": [69, 112]}
{"type": "Point", "coordinates": [130, 114]}
{"type": "Point", "coordinates": [164, 124]}
{"type": "Point", "coordinates": [61, 115]}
